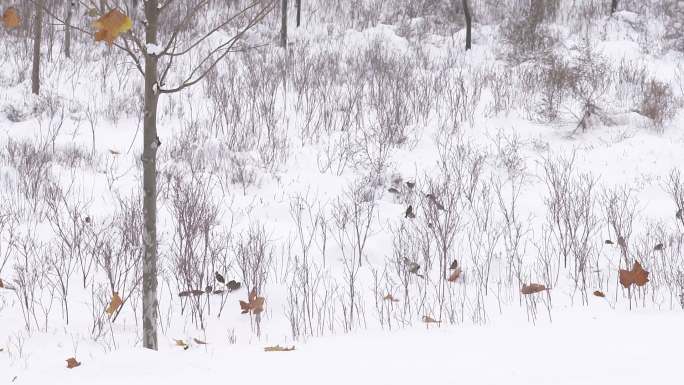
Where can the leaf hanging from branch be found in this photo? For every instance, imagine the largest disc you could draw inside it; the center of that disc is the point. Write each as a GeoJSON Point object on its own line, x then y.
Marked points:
{"type": "Point", "coordinates": [637, 276]}
{"type": "Point", "coordinates": [11, 18]}
{"type": "Point", "coordinates": [114, 304]}
{"type": "Point", "coordinates": [111, 25]}
{"type": "Point", "coordinates": [255, 304]}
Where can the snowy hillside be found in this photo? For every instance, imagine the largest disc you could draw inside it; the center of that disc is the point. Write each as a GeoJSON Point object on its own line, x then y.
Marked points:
{"type": "Point", "coordinates": [395, 208]}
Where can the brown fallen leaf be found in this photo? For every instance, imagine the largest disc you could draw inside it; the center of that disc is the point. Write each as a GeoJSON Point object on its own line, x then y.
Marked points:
{"type": "Point", "coordinates": [182, 344]}
{"type": "Point", "coordinates": [532, 288]}
{"type": "Point", "coordinates": [255, 304]}
{"type": "Point", "coordinates": [659, 247]}
{"type": "Point", "coordinates": [72, 363]}
{"type": "Point", "coordinates": [114, 304]}
{"type": "Point", "coordinates": [199, 342]}
{"type": "Point", "coordinates": [390, 298]}
{"type": "Point", "coordinates": [637, 276]}
{"type": "Point", "coordinates": [429, 320]}
{"type": "Point", "coordinates": [111, 25]}
{"type": "Point", "coordinates": [455, 273]}
{"type": "Point", "coordinates": [11, 18]}
{"type": "Point", "coordinates": [599, 293]}
{"type": "Point", "coordinates": [278, 348]}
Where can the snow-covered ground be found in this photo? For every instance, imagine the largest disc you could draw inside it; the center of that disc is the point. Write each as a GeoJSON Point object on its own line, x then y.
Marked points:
{"type": "Point", "coordinates": [272, 168]}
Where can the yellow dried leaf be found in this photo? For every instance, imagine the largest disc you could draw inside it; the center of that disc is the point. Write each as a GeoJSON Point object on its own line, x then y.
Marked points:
{"type": "Point", "coordinates": [278, 348]}
{"type": "Point", "coordinates": [114, 304]}
{"type": "Point", "coordinates": [111, 25]}
{"type": "Point", "coordinates": [11, 18]}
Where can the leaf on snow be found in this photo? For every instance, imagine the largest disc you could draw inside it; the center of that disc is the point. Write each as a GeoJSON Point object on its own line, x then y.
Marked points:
{"type": "Point", "coordinates": [637, 276]}
{"type": "Point", "coordinates": [278, 348]}
{"type": "Point", "coordinates": [114, 304]}
{"type": "Point", "coordinates": [72, 363]}
{"type": "Point", "coordinates": [429, 320]}
{"type": "Point", "coordinates": [532, 288]}
{"type": "Point", "coordinates": [111, 25]}
{"type": "Point", "coordinates": [11, 18]}
{"type": "Point", "coordinates": [199, 342]}
{"type": "Point", "coordinates": [599, 293]}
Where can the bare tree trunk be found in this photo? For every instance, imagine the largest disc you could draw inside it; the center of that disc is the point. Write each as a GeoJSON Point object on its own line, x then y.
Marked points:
{"type": "Point", "coordinates": [149, 158]}
{"type": "Point", "coordinates": [37, 38]}
{"type": "Point", "coordinates": [469, 22]}
{"type": "Point", "coordinates": [283, 26]}
{"type": "Point", "coordinates": [613, 6]}
{"type": "Point", "coordinates": [299, 12]}
{"type": "Point", "coordinates": [67, 30]}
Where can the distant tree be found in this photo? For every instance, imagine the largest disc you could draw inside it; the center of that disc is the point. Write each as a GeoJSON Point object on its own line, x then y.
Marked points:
{"type": "Point", "coordinates": [70, 4]}
{"type": "Point", "coordinates": [37, 40]}
{"type": "Point", "coordinates": [469, 23]}
{"type": "Point", "coordinates": [283, 25]}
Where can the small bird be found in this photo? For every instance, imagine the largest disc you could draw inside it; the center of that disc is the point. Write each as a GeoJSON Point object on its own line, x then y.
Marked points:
{"type": "Point", "coordinates": [433, 200]}
{"type": "Point", "coordinates": [219, 278]}
{"type": "Point", "coordinates": [87, 219]}
{"type": "Point", "coordinates": [208, 289]}
{"type": "Point", "coordinates": [609, 242]}
{"type": "Point", "coordinates": [659, 247]}
{"type": "Point", "coordinates": [621, 242]}
{"type": "Point", "coordinates": [232, 285]}
{"type": "Point", "coordinates": [413, 267]}
{"type": "Point", "coordinates": [393, 190]}
{"type": "Point", "coordinates": [454, 265]}
{"type": "Point", "coordinates": [410, 185]}
{"type": "Point", "coordinates": [409, 212]}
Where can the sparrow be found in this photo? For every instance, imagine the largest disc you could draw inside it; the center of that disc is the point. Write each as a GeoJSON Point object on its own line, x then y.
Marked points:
{"type": "Point", "coordinates": [409, 212]}
{"type": "Point", "coordinates": [219, 278]}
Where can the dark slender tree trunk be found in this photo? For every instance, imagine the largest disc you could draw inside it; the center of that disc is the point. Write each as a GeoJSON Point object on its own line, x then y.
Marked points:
{"type": "Point", "coordinates": [37, 39]}
{"type": "Point", "coordinates": [469, 23]}
{"type": "Point", "coordinates": [149, 157]}
{"type": "Point", "coordinates": [299, 12]}
{"type": "Point", "coordinates": [613, 6]}
{"type": "Point", "coordinates": [283, 25]}
{"type": "Point", "coordinates": [67, 28]}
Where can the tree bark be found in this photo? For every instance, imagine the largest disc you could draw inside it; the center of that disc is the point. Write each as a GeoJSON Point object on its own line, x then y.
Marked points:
{"type": "Point", "coordinates": [149, 160]}
{"type": "Point", "coordinates": [67, 30]}
{"type": "Point", "coordinates": [469, 22]}
{"type": "Point", "coordinates": [299, 12]}
{"type": "Point", "coordinates": [37, 38]}
{"type": "Point", "coordinates": [613, 6]}
{"type": "Point", "coordinates": [283, 26]}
